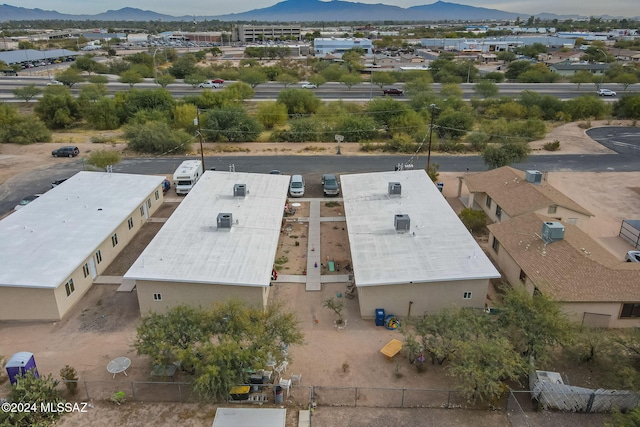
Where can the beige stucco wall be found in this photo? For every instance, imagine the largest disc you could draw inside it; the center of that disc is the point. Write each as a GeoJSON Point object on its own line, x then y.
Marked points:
{"type": "Point", "coordinates": [478, 201]}
{"type": "Point", "coordinates": [195, 294]}
{"type": "Point", "coordinates": [427, 297]}
{"type": "Point", "coordinates": [28, 304]}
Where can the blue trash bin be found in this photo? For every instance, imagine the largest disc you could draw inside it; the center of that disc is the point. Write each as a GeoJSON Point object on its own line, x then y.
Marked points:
{"type": "Point", "coordinates": [379, 316]}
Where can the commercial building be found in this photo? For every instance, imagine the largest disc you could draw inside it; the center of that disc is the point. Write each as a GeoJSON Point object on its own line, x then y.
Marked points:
{"type": "Point", "coordinates": [52, 249]}
{"type": "Point", "coordinates": [220, 243]}
{"type": "Point", "coordinates": [256, 33]}
{"type": "Point", "coordinates": [410, 252]}
{"type": "Point", "coordinates": [333, 45]}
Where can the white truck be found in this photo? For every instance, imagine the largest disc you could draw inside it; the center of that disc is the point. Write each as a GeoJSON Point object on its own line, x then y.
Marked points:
{"type": "Point", "coordinates": [186, 176]}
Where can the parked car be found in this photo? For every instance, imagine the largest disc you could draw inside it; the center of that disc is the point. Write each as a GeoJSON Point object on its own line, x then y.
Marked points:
{"type": "Point", "coordinates": [66, 151]}
{"type": "Point", "coordinates": [633, 256]}
{"type": "Point", "coordinates": [57, 182]}
{"type": "Point", "coordinates": [393, 91]}
{"type": "Point", "coordinates": [274, 172]}
{"type": "Point", "coordinates": [606, 92]}
{"type": "Point", "coordinates": [55, 83]}
{"type": "Point", "coordinates": [211, 84]}
{"type": "Point", "coordinates": [24, 202]}
{"type": "Point", "coordinates": [296, 187]}
{"type": "Point", "coordinates": [330, 185]}
{"type": "Point", "coordinates": [309, 86]}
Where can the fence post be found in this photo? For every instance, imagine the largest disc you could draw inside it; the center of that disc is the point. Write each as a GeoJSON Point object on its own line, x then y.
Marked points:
{"type": "Point", "coordinates": [402, 401]}
{"type": "Point", "coordinates": [86, 390]}
{"type": "Point", "coordinates": [592, 397]}
{"type": "Point", "coordinates": [133, 391]}
{"type": "Point", "coordinates": [355, 402]}
{"type": "Point", "coordinates": [180, 392]}
{"type": "Point", "coordinates": [448, 398]}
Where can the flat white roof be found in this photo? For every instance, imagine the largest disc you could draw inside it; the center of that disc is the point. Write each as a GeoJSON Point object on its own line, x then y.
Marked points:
{"type": "Point", "coordinates": [250, 417]}
{"type": "Point", "coordinates": [438, 247]}
{"type": "Point", "coordinates": [45, 241]}
{"type": "Point", "coordinates": [190, 247]}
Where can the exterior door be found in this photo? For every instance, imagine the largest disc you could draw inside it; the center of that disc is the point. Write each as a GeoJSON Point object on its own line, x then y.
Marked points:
{"type": "Point", "coordinates": [92, 268]}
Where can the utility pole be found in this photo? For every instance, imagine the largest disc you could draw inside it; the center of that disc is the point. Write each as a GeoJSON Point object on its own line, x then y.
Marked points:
{"type": "Point", "coordinates": [201, 137]}
{"type": "Point", "coordinates": [432, 107]}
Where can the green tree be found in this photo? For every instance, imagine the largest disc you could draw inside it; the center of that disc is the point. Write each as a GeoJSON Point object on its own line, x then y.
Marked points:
{"type": "Point", "coordinates": [183, 117]}
{"type": "Point", "coordinates": [271, 114]}
{"type": "Point", "coordinates": [85, 63]}
{"type": "Point", "coordinates": [482, 366]}
{"type": "Point", "coordinates": [165, 80]}
{"type": "Point", "coordinates": [382, 79]}
{"type": "Point", "coordinates": [626, 80]}
{"type": "Point", "coordinates": [98, 79]}
{"type": "Point", "coordinates": [299, 101]}
{"type": "Point", "coordinates": [582, 76]}
{"type": "Point", "coordinates": [628, 107]}
{"type": "Point", "coordinates": [356, 128]}
{"type": "Point", "coordinates": [24, 129]}
{"type": "Point", "coordinates": [486, 88]}
{"type": "Point", "coordinates": [253, 77]}
{"type": "Point", "coordinates": [287, 79]}
{"type": "Point", "coordinates": [219, 343]}
{"type": "Point", "coordinates": [534, 324]}
{"type": "Point", "coordinates": [102, 114]}
{"type": "Point", "coordinates": [506, 56]}
{"type": "Point", "coordinates": [454, 124]}
{"type": "Point", "coordinates": [195, 79]}
{"type": "Point", "coordinates": [27, 92]}
{"type": "Point", "coordinates": [33, 391]}
{"type": "Point", "coordinates": [515, 68]}
{"type": "Point", "coordinates": [350, 79]}
{"type": "Point", "coordinates": [183, 66]}
{"type": "Point", "coordinates": [156, 137]}
{"type": "Point", "coordinates": [102, 158]}
{"type": "Point", "coordinates": [505, 154]}
{"type": "Point", "coordinates": [57, 108]}
{"type": "Point", "coordinates": [300, 130]}
{"type": "Point", "coordinates": [231, 124]}
{"type": "Point", "coordinates": [239, 91]}
{"type": "Point", "coordinates": [70, 77]}
{"type": "Point", "coordinates": [130, 77]}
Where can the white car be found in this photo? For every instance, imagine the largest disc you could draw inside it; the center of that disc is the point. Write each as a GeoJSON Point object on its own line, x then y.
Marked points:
{"type": "Point", "coordinates": [55, 83]}
{"type": "Point", "coordinates": [606, 92]}
{"type": "Point", "coordinates": [632, 256]}
{"type": "Point", "coordinates": [210, 84]}
{"type": "Point", "coordinates": [309, 86]}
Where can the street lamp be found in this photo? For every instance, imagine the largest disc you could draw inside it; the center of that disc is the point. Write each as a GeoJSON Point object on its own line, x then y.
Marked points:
{"type": "Point", "coordinates": [433, 108]}
{"type": "Point", "coordinates": [606, 57]}
{"type": "Point", "coordinates": [155, 69]}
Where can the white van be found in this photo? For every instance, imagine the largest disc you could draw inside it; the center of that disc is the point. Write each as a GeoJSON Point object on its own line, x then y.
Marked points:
{"type": "Point", "coordinates": [296, 187]}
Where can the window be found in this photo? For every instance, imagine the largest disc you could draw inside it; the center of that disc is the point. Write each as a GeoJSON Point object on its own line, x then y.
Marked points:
{"type": "Point", "coordinates": [141, 210]}
{"type": "Point", "coordinates": [552, 209]}
{"type": "Point", "coordinates": [149, 203]}
{"type": "Point", "coordinates": [466, 295]}
{"type": "Point", "coordinates": [495, 245]}
{"type": "Point", "coordinates": [99, 256]}
{"type": "Point", "coordinates": [157, 195]}
{"type": "Point", "coordinates": [157, 297]}
{"type": "Point", "coordinates": [114, 239]}
{"type": "Point", "coordinates": [69, 287]}
{"type": "Point", "coordinates": [85, 269]}
{"type": "Point", "coordinates": [488, 201]}
{"type": "Point", "coordinates": [130, 223]}
{"type": "Point", "coordinates": [498, 211]}
{"type": "Point", "coordinates": [523, 276]}
{"type": "Point", "coordinates": [630, 310]}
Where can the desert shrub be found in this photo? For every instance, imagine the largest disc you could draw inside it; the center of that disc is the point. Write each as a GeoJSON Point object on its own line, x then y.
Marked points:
{"type": "Point", "coordinates": [70, 376]}
{"type": "Point", "coordinates": [401, 143]}
{"type": "Point", "coordinates": [157, 138]}
{"type": "Point", "coordinates": [101, 158]}
{"type": "Point", "coordinates": [478, 140]}
{"type": "Point", "coordinates": [552, 146]}
{"type": "Point", "coordinates": [300, 130]}
{"type": "Point", "coordinates": [474, 220]}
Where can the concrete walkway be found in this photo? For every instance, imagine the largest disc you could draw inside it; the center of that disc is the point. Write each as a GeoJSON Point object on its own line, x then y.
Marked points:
{"type": "Point", "coordinates": [313, 253]}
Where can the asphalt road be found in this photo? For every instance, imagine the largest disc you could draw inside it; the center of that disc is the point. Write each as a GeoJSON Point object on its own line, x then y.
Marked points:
{"type": "Point", "coordinates": [623, 140]}
{"type": "Point", "coordinates": [331, 90]}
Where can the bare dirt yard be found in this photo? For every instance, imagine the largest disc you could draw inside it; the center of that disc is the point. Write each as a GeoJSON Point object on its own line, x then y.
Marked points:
{"type": "Point", "coordinates": [102, 326]}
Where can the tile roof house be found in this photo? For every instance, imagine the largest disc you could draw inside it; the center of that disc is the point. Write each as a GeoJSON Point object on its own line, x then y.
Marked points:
{"type": "Point", "coordinates": [593, 286]}
{"type": "Point", "coordinates": [505, 192]}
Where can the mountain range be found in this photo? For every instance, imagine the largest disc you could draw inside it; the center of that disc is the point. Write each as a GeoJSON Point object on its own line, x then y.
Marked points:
{"type": "Point", "coordinates": [297, 11]}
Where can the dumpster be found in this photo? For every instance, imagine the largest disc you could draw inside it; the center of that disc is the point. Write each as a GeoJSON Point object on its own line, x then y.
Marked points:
{"type": "Point", "coordinates": [279, 394]}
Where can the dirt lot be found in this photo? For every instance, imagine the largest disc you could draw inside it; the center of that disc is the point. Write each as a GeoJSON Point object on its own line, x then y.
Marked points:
{"type": "Point", "coordinates": [102, 326]}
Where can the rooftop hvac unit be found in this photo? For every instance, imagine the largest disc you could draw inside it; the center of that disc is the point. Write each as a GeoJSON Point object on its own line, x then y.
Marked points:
{"type": "Point", "coordinates": [225, 220]}
{"type": "Point", "coordinates": [402, 222]}
{"type": "Point", "coordinates": [395, 188]}
{"type": "Point", "coordinates": [239, 190]}
{"type": "Point", "coordinates": [552, 231]}
{"type": "Point", "coordinates": [534, 177]}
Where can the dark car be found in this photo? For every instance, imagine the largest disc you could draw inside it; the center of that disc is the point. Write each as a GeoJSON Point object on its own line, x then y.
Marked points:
{"type": "Point", "coordinates": [66, 151]}
{"type": "Point", "coordinates": [393, 91]}
{"type": "Point", "coordinates": [330, 185]}
{"type": "Point", "coordinates": [57, 182]}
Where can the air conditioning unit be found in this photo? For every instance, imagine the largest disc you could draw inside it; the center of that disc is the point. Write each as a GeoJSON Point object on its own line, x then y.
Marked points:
{"type": "Point", "coordinates": [224, 221]}
{"type": "Point", "coordinates": [402, 222]}
{"type": "Point", "coordinates": [239, 190]}
{"type": "Point", "coordinates": [395, 188]}
{"type": "Point", "coordinates": [533, 176]}
{"type": "Point", "coordinates": [552, 231]}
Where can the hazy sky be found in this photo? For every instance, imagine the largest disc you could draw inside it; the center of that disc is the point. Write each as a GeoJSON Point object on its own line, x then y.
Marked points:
{"type": "Point", "coordinates": [216, 7]}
